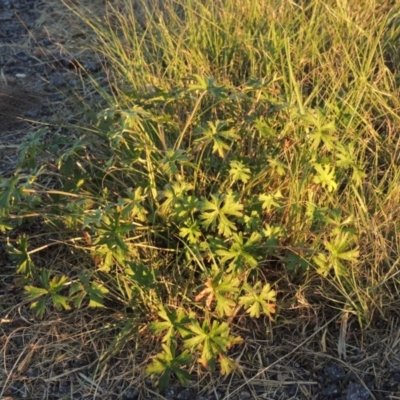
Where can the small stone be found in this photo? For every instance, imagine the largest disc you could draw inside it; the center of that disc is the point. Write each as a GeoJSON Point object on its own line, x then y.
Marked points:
{"type": "Point", "coordinates": [186, 394]}
{"type": "Point", "coordinates": [19, 75]}
{"type": "Point", "coordinates": [395, 377]}
{"type": "Point", "coordinates": [67, 63]}
{"type": "Point", "coordinates": [57, 80]}
{"type": "Point", "coordinates": [17, 387]}
{"type": "Point", "coordinates": [92, 66]}
{"type": "Point", "coordinates": [291, 390]}
{"type": "Point", "coordinates": [244, 395]}
{"type": "Point", "coordinates": [5, 4]}
{"type": "Point", "coordinates": [22, 56]}
{"type": "Point", "coordinates": [352, 376]}
{"type": "Point", "coordinates": [64, 388]}
{"type": "Point", "coordinates": [73, 82]}
{"type": "Point", "coordinates": [331, 390]}
{"type": "Point", "coordinates": [46, 42]}
{"type": "Point", "coordinates": [170, 393]}
{"type": "Point", "coordinates": [131, 394]}
{"type": "Point", "coordinates": [334, 372]}
{"type": "Point", "coordinates": [32, 373]}
{"type": "Point", "coordinates": [6, 16]}
{"type": "Point", "coordinates": [355, 391]}
{"type": "Point", "coordinates": [76, 362]}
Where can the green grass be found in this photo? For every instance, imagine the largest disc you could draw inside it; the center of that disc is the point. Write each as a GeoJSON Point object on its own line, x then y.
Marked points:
{"type": "Point", "coordinates": [248, 147]}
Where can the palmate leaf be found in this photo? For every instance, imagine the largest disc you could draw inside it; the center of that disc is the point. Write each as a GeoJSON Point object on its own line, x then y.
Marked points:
{"type": "Point", "coordinates": [22, 258]}
{"type": "Point", "coordinates": [324, 266]}
{"type": "Point", "coordinates": [339, 250]}
{"type": "Point", "coordinates": [60, 302]}
{"type": "Point", "coordinates": [173, 321]}
{"type": "Point", "coordinates": [143, 275]}
{"type": "Point", "coordinates": [5, 225]}
{"type": "Point", "coordinates": [171, 194]}
{"type": "Point", "coordinates": [277, 165]}
{"type": "Point", "coordinates": [323, 130]}
{"type": "Point", "coordinates": [167, 363]}
{"type": "Point", "coordinates": [48, 292]}
{"type": "Point", "coordinates": [11, 193]}
{"type": "Point", "coordinates": [259, 299]}
{"type": "Point", "coordinates": [221, 291]}
{"type": "Point", "coordinates": [172, 160]}
{"type": "Point", "coordinates": [78, 291]}
{"type": "Point", "coordinates": [215, 212]}
{"type": "Point", "coordinates": [113, 231]}
{"type": "Point", "coordinates": [209, 85]}
{"type": "Point", "coordinates": [77, 294]}
{"type": "Point", "coordinates": [325, 136]}
{"type": "Point", "coordinates": [346, 155]}
{"type": "Point", "coordinates": [239, 172]}
{"type": "Point", "coordinates": [212, 341]}
{"type": "Point", "coordinates": [218, 135]}
{"type": "Point", "coordinates": [39, 307]}
{"type": "Point", "coordinates": [240, 252]}
{"type": "Point", "coordinates": [32, 292]}
{"type": "Point", "coordinates": [270, 200]}
{"type": "Point", "coordinates": [225, 305]}
{"type": "Point", "coordinates": [132, 206]}
{"type": "Point", "coordinates": [227, 364]}
{"type": "Point", "coordinates": [57, 283]}
{"type": "Point", "coordinates": [325, 176]}
{"type": "Point", "coordinates": [294, 260]}
{"type": "Point", "coordinates": [96, 294]}
{"type": "Point", "coordinates": [192, 232]}
{"type": "Point", "coordinates": [185, 207]}
{"type": "Point", "coordinates": [252, 221]}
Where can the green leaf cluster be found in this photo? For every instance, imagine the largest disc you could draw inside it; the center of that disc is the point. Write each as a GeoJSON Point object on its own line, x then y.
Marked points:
{"type": "Point", "coordinates": [190, 193]}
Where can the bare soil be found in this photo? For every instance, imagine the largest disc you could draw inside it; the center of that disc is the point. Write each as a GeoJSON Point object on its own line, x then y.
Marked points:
{"type": "Point", "coordinates": [14, 102]}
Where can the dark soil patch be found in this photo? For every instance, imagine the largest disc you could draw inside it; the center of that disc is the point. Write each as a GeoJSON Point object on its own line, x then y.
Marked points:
{"type": "Point", "coordinates": [14, 103]}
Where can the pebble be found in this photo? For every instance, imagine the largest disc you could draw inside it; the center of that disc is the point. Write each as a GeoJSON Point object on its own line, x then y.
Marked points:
{"type": "Point", "coordinates": [64, 388]}
{"type": "Point", "coordinates": [244, 395]}
{"type": "Point", "coordinates": [355, 391]}
{"type": "Point", "coordinates": [32, 373]}
{"type": "Point", "coordinates": [22, 56]}
{"type": "Point", "coordinates": [131, 394]}
{"type": "Point", "coordinates": [395, 377]}
{"type": "Point", "coordinates": [334, 372]}
{"type": "Point", "coordinates": [6, 16]}
{"type": "Point", "coordinates": [331, 390]}
{"type": "Point", "coordinates": [57, 80]}
{"type": "Point", "coordinates": [92, 66]}
{"type": "Point", "coordinates": [5, 4]}
{"type": "Point", "coordinates": [186, 394]}
{"type": "Point", "coordinates": [291, 390]}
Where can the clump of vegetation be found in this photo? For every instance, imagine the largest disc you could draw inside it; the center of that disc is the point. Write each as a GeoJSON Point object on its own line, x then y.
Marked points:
{"type": "Point", "coordinates": [236, 156]}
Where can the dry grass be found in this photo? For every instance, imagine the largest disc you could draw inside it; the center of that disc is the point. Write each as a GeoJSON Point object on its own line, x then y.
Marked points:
{"type": "Point", "coordinates": [70, 355]}
{"type": "Point", "coordinates": [62, 356]}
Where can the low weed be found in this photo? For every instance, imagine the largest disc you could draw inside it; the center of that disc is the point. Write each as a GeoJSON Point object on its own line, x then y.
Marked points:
{"type": "Point", "coordinates": [247, 145]}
